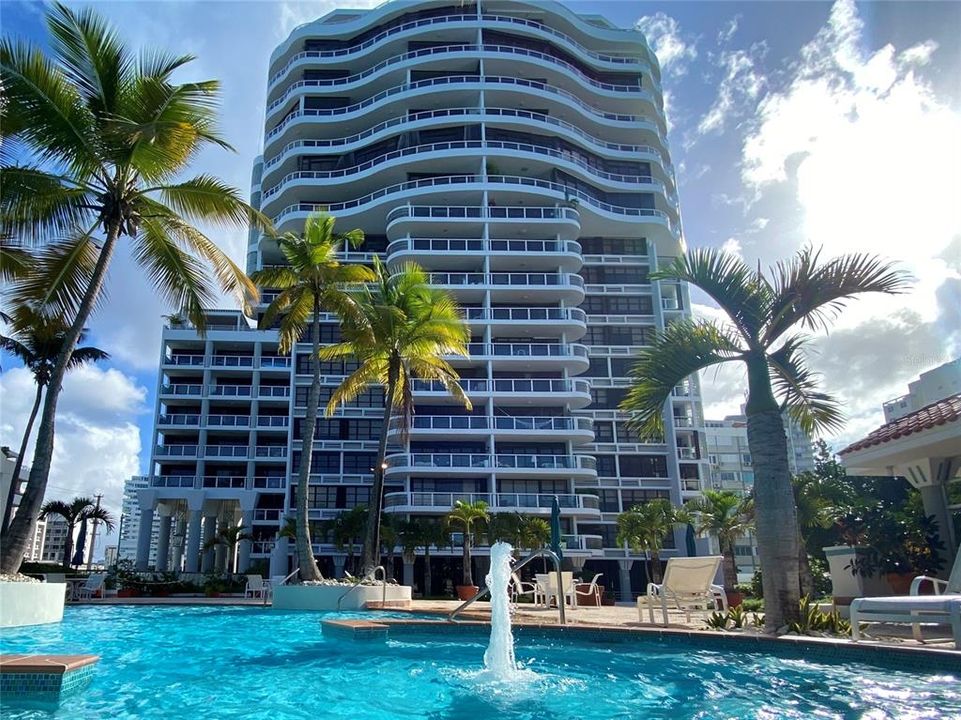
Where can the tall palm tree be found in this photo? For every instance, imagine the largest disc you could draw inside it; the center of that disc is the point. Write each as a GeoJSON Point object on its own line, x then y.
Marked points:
{"type": "Point", "coordinates": [727, 516]}
{"type": "Point", "coordinates": [75, 512]}
{"type": "Point", "coordinates": [767, 317]}
{"type": "Point", "coordinates": [106, 136]}
{"type": "Point", "coordinates": [467, 515]}
{"type": "Point", "coordinates": [533, 532]}
{"type": "Point", "coordinates": [814, 511]}
{"type": "Point", "coordinates": [38, 345]}
{"type": "Point", "coordinates": [643, 529]}
{"type": "Point", "coordinates": [403, 330]}
{"type": "Point", "coordinates": [347, 528]}
{"type": "Point", "coordinates": [312, 283]}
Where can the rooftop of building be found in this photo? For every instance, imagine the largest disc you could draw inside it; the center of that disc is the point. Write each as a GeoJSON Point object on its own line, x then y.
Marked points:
{"type": "Point", "coordinates": [931, 416]}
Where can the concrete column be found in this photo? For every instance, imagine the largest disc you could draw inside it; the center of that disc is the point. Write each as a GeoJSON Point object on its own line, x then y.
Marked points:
{"type": "Point", "coordinates": [243, 551]}
{"type": "Point", "coordinates": [221, 561]}
{"type": "Point", "coordinates": [278, 558]}
{"type": "Point", "coordinates": [339, 562]}
{"type": "Point", "coordinates": [163, 543]}
{"type": "Point", "coordinates": [180, 531]}
{"type": "Point", "coordinates": [210, 531]}
{"type": "Point", "coordinates": [409, 572]}
{"type": "Point", "coordinates": [193, 542]}
{"type": "Point", "coordinates": [624, 576]}
{"type": "Point", "coordinates": [143, 538]}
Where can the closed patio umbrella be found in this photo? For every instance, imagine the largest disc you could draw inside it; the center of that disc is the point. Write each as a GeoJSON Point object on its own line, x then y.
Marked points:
{"type": "Point", "coordinates": [691, 545]}
{"type": "Point", "coordinates": [81, 544]}
{"type": "Point", "coordinates": [556, 528]}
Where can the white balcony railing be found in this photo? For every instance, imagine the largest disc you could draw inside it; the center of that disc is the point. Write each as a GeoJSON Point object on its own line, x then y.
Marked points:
{"type": "Point", "coordinates": [271, 451]}
{"type": "Point", "coordinates": [176, 451]}
{"type": "Point", "coordinates": [179, 419]}
{"type": "Point", "coordinates": [482, 460]}
{"type": "Point", "coordinates": [274, 391]}
{"type": "Point", "coordinates": [185, 360]}
{"type": "Point", "coordinates": [528, 350]}
{"type": "Point", "coordinates": [481, 422]}
{"type": "Point", "coordinates": [271, 361]}
{"type": "Point", "coordinates": [501, 279]}
{"type": "Point", "coordinates": [526, 314]}
{"type": "Point", "coordinates": [173, 481]}
{"type": "Point", "coordinates": [230, 390]}
{"type": "Point", "coordinates": [225, 482]}
{"type": "Point", "coordinates": [232, 361]}
{"type": "Point", "coordinates": [273, 421]}
{"type": "Point", "coordinates": [226, 451]}
{"type": "Point", "coordinates": [189, 390]}
{"type": "Point", "coordinates": [496, 501]}
{"type": "Point", "coordinates": [242, 421]}
{"type": "Point", "coordinates": [270, 482]}
{"type": "Point", "coordinates": [469, 212]}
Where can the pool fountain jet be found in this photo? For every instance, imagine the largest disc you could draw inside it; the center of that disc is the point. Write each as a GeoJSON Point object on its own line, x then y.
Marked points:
{"type": "Point", "coordinates": [499, 656]}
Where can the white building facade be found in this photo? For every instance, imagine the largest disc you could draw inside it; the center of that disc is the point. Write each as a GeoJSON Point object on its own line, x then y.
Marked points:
{"type": "Point", "coordinates": [518, 152]}
{"type": "Point", "coordinates": [931, 386]}
{"type": "Point", "coordinates": [130, 532]}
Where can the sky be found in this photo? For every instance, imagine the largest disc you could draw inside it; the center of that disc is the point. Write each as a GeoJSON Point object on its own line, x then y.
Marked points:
{"type": "Point", "coordinates": [836, 125]}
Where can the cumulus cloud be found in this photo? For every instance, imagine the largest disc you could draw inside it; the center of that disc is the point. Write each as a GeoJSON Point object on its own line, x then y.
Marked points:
{"type": "Point", "coordinates": [675, 50]}
{"type": "Point", "coordinates": [97, 444]}
{"type": "Point", "coordinates": [737, 93]}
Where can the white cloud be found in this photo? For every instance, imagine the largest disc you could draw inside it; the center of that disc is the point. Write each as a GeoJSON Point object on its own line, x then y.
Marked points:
{"type": "Point", "coordinates": [674, 50]}
{"type": "Point", "coordinates": [97, 442]}
{"type": "Point", "coordinates": [732, 246]}
{"type": "Point", "coordinates": [723, 387]}
{"type": "Point", "coordinates": [740, 87]}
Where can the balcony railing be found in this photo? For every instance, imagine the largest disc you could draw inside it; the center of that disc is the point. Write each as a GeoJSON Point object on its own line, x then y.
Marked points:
{"type": "Point", "coordinates": [176, 451]}
{"type": "Point", "coordinates": [225, 482]}
{"type": "Point", "coordinates": [232, 361]}
{"type": "Point", "coordinates": [268, 361]}
{"type": "Point", "coordinates": [687, 453]}
{"type": "Point", "coordinates": [182, 389]}
{"type": "Point", "coordinates": [172, 481]}
{"type": "Point", "coordinates": [230, 390]}
{"type": "Point", "coordinates": [226, 451]}
{"type": "Point", "coordinates": [511, 386]}
{"type": "Point", "coordinates": [185, 360]}
{"type": "Point", "coordinates": [482, 460]}
{"type": "Point", "coordinates": [270, 482]}
{"type": "Point", "coordinates": [502, 279]}
{"type": "Point", "coordinates": [179, 419]}
{"type": "Point", "coordinates": [526, 314]}
{"type": "Point", "coordinates": [525, 350]}
{"type": "Point", "coordinates": [472, 245]}
{"type": "Point", "coordinates": [481, 422]}
{"type": "Point", "coordinates": [273, 421]}
{"type": "Point", "coordinates": [485, 21]}
{"type": "Point", "coordinates": [449, 212]}
{"type": "Point", "coordinates": [438, 50]}
{"type": "Point", "coordinates": [228, 421]}
{"type": "Point", "coordinates": [583, 542]}
{"type": "Point", "coordinates": [267, 515]}
{"type": "Point", "coordinates": [273, 391]}
{"type": "Point", "coordinates": [496, 501]}
{"type": "Point", "coordinates": [261, 547]}
{"type": "Point", "coordinates": [271, 451]}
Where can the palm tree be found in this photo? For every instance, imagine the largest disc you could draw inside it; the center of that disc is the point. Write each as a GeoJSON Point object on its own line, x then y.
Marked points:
{"type": "Point", "coordinates": [467, 515]}
{"type": "Point", "coordinates": [312, 283]}
{"type": "Point", "coordinates": [389, 535]}
{"type": "Point", "coordinates": [767, 318]}
{"type": "Point", "coordinates": [643, 529]}
{"type": "Point", "coordinates": [814, 511]}
{"type": "Point", "coordinates": [346, 529]}
{"type": "Point", "coordinates": [433, 533]}
{"type": "Point", "coordinates": [533, 532]}
{"type": "Point", "coordinates": [727, 516]}
{"type": "Point", "coordinates": [38, 345]}
{"type": "Point", "coordinates": [74, 512]}
{"type": "Point", "coordinates": [106, 137]}
{"type": "Point", "coordinates": [504, 527]}
{"type": "Point", "coordinates": [230, 537]}
{"type": "Point", "coordinates": [402, 331]}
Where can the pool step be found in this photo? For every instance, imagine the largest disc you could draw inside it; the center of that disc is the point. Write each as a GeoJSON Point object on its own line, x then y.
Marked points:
{"type": "Point", "coordinates": [49, 678]}
{"type": "Point", "coordinates": [388, 605]}
{"type": "Point", "coordinates": [354, 629]}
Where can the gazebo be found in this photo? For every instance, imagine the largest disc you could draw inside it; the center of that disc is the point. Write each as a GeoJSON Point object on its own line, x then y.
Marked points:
{"type": "Point", "coordinates": [924, 447]}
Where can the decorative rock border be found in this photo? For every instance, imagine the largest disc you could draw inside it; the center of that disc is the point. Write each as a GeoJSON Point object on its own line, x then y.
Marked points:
{"type": "Point", "coordinates": [44, 678]}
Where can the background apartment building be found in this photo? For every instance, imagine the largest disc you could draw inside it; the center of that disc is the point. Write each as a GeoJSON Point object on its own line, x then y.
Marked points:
{"type": "Point", "coordinates": [517, 151]}
{"type": "Point", "coordinates": [130, 529]}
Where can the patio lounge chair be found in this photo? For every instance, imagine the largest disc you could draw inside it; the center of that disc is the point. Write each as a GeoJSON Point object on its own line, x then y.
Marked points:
{"type": "Point", "coordinates": [687, 585]}
{"type": "Point", "coordinates": [519, 589]}
{"type": "Point", "coordinates": [547, 587]}
{"type": "Point", "coordinates": [255, 587]}
{"type": "Point", "coordinates": [942, 607]}
{"type": "Point", "coordinates": [90, 588]}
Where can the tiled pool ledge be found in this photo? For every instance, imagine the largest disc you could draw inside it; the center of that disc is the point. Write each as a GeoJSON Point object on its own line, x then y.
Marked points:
{"type": "Point", "coordinates": [44, 678]}
{"type": "Point", "coordinates": [910, 658]}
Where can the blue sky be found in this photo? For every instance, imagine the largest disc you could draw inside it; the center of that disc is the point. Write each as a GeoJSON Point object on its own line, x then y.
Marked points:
{"type": "Point", "coordinates": [791, 123]}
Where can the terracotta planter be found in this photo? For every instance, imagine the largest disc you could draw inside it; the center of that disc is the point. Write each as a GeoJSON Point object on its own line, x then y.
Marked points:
{"type": "Point", "coordinates": [466, 592]}
{"type": "Point", "coordinates": [900, 582]}
{"type": "Point", "coordinates": [734, 598]}
{"type": "Point", "coordinates": [127, 593]}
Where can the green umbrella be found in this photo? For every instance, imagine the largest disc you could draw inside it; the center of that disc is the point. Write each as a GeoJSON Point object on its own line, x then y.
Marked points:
{"type": "Point", "coordinates": [556, 528]}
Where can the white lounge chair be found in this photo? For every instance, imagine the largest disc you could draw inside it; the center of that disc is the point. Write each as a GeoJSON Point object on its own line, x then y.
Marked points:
{"type": "Point", "coordinates": [592, 590]}
{"type": "Point", "coordinates": [687, 585]}
{"type": "Point", "coordinates": [519, 588]}
{"type": "Point", "coordinates": [942, 607]}
{"type": "Point", "coordinates": [90, 588]}
{"type": "Point", "coordinates": [547, 588]}
{"type": "Point", "coordinates": [256, 587]}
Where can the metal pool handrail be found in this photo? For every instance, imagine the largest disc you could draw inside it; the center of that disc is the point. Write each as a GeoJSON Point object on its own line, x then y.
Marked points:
{"type": "Point", "coordinates": [530, 558]}
{"type": "Point", "coordinates": [371, 574]}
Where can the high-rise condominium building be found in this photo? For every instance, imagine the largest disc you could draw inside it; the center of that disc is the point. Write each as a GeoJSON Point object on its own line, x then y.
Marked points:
{"type": "Point", "coordinates": [130, 531]}
{"type": "Point", "coordinates": [517, 151]}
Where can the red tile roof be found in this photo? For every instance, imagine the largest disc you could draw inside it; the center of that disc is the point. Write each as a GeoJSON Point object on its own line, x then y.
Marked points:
{"type": "Point", "coordinates": [935, 414]}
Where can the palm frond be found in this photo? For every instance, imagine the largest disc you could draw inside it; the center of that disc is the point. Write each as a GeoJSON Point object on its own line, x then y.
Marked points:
{"type": "Point", "coordinates": [41, 206]}
{"type": "Point", "coordinates": [681, 350]}
{"type": "Point", "coordinates": [86, 355]}
{"type": "Point", "coordinates": [797, 388]}
{"type": "Point", "coordinates": [296, 316]}
{"type": "Point", "coordinates": [15, 262]}
{"type": "Point", "coordinates": [811, 295]}
{"type": "Point", "coordinates": [59, 278]}
{"type": "Point", "coordinates": [208, 199]}
{"type": "Point", "coordinates": [370, 372]}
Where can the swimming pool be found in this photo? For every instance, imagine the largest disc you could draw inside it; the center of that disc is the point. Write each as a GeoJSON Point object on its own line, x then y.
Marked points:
{"type": "Point", "coordinates": [227, 663]}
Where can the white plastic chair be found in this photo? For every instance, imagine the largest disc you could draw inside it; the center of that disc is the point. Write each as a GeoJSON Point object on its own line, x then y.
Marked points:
{"type": "Point", "coordinates": [547, 587]}
{"type": "Point", "coordinates": [519, 588]}
{"type": "Point", "coordinates": [255, 587]}
{"type": "Point", "coordinates": [592, 590]}
{"type": "Point", "coordinates": [688, 585]}
{"type": "Point", "coordinates": [942, 607]}
{"type": "Point", "coordinates": [90, 588]}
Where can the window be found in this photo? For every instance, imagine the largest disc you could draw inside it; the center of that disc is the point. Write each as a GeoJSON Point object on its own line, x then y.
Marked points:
{"type": "Point", "coordinates": [607, 398]}
{"type": "Point", "coordinates": [621, 367]}
{"type": "Point", "coordinates": [603, 432]}
{"type": "Point", "coordinates": [746, 458]}
{"type": "Point", "coordinates": [619, 275]}
{"type": "Point", "coordinates": [320, 496]}
{"type": "Point", "coordinates": [615, 246]}
{"type": "Point", "coordinates": [630, 498]}
{"type": "Point", "coordinates": [598, 367]}
{"type": "Point", "coordinates": [609, 500]}
{"type": "Point", "coordinates": [359, 463]}
{"type": "Point", "coordinates": [355, 495]}
{"type": "Point", "coordinates": [652, 466]}
{"type": "Point", "coordinates": [606, 466]}
{"type": "Point", "coordinates": [618, 305]}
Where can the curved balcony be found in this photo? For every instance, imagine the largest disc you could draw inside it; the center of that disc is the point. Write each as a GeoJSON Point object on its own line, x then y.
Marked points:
{"type": "Point", "coordinates": [408, 91]}
{"type": "Point", "coordinates": [516, 427]}
{"type": "Point", "coordinates": [503, 465]}
{"type": "Point", "coordinates": [547, 287]}
{"type": "Point", "coordinates": [575, 392]}
{"type": "Point", "coordinates": [515, 54]}
{"type": "Point", "coordinates": [586, 506]}
{"type": "Point", "coordinates": [442, 253]}
{"type": "Point", "coordinates": [555, 321]}
{"type": "Point", "coordinates": [507, 116]}
{"type": "Point", "coordinates": [305, 178]}
{"type": "Point", "coordinates": [533, 27]}
{"type": "Point", "coordinates": [420, 220]}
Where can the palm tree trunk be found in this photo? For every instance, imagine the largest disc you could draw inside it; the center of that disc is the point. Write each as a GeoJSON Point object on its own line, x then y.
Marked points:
{"type": "Point", "coordinates": [468, 571]}
{"type": "Point", "coordinates": [18, 465]}
{"type": "Point", "coordinates": [730, 566]}
{"type": "Point", "coordinates": [428, 578]}
{"type": "Point", "coordinates": [655, 561]}
{"type": "Point", "coordinates": [372, 533]}
{"type": "Point", "coordinates": [17, 537]}
{"type": "Point", "coordinates": [67, 547]}
{"type": "Point", "coordinates": [776, 513]}
{"type": "Point", "coordinates": [305, 552]}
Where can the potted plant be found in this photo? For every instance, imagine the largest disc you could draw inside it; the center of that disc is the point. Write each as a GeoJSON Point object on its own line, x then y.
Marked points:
{"type": "Point", "coordinates": [465, 515]}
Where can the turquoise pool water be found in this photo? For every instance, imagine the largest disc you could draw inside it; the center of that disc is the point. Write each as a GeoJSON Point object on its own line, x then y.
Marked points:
{"type": "Point", "coordinates": [227, 663]}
